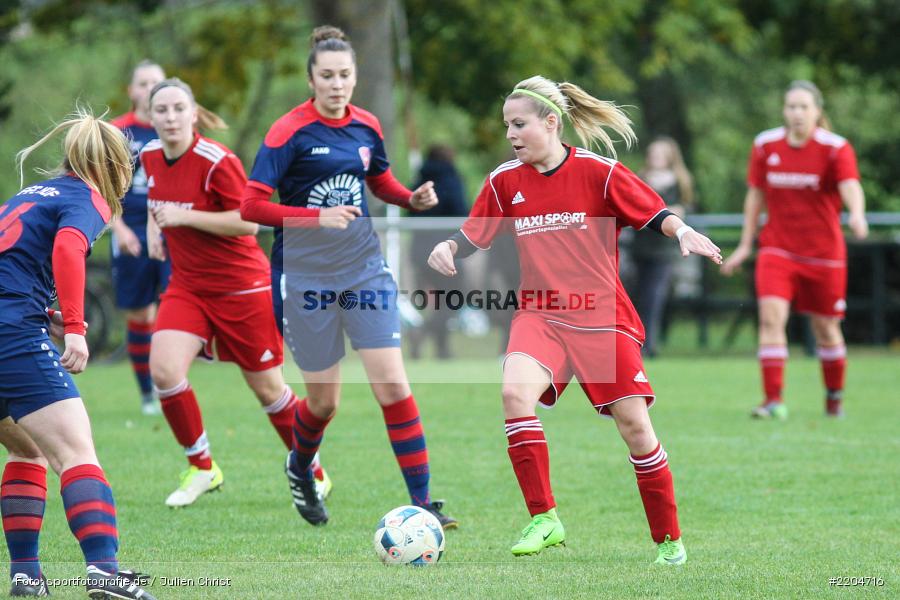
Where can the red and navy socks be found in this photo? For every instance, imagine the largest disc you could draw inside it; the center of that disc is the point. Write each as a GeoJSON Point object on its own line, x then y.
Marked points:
{"type": "Point", "coordinates": [404, 428]}
{"type": "Point", "coordinates": [23, 496]}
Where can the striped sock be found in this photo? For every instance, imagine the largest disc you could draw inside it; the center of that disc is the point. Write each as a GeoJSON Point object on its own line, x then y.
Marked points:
{"type": "Point", "coordinates": [834, 365]}
{"type": "Point", "coordinates": [771, 363]}
{"type": "Point", "coordinates": [281, 414]}
{"type": "Point", "coordinates": [654, 480]}
{"type": "Point", "coordinates": [137, 340]}
{"type": "Point", "coordinates": [531, 462]}
{"type": "Point", "coordinates": [308, 432]}
{"type": "Point", "coordinates": [179, 405]}
{"type": "Point", "coordinates": [91, 513]}
{"type": "Point", "coordinates": [23, 495]}
{"type": "Point", "coordinates": [404, 428]}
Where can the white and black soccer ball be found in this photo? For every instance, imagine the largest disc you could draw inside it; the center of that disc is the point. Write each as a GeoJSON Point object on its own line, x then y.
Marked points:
{"type": "Point", "coordinates": [409, 535]}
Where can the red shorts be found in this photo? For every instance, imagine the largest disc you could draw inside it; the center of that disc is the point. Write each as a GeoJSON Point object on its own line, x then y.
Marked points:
{"type": "Point", "coordinates": [607, 364]}
{"type": "Point", "coordinates": [819, 289]}
{"type": "Point", "coordinates": [240, 328]}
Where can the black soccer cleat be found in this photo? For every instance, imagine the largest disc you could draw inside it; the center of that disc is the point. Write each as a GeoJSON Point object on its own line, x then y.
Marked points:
{"type": "Point", "coordinates": [306, 500]}
{"type": "Point", "coordinates": [23, 585]}
{"type": "Point", "coordinates": [124, 584]}
{"type": "Point", "coordinates": [446, 521]}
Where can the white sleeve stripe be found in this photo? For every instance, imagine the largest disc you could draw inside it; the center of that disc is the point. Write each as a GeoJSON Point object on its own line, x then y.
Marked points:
{"type": "Point", "coordinates": [471, 242]}
{"type": "Point", "coordinates": [606, 185]}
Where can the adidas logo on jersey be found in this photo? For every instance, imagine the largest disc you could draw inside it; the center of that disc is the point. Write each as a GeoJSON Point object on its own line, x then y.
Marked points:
{"type": "Point", "coordinates": [640, 377]}
{"type": "Point", "coordinates": [518, 198]}
{"type": "Point", "coordinates": [266, 356]}
{"type": "Point", "coordinates": [774, 160]}
{"type": "Point", "coordinates": [320, 150]}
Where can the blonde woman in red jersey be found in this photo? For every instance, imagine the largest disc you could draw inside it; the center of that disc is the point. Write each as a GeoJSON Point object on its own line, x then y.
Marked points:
{"type": "Point", "coordinates": [801, 173]}
{"type": "Point", "coordinates": [559, 201]}
{"type": "Point", "coordinates": [219, 296]}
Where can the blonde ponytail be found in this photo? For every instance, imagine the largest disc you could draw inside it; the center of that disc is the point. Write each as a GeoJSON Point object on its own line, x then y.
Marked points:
{"type": "Point", "coordinates": [589, 116]}
{"type": "Point", "coordinates": [95, 151]}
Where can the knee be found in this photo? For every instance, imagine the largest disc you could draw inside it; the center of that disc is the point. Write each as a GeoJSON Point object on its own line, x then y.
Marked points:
{"type": "Point", "coordinates": [391, 393]}
{"type": "Point", "coordinates": [268, 392]}
{"type": "Point", "coordinates": [323, 405]}
{"type": "Point", "coordinates": [637, 433]}
{"type": "Point", "coordinates": [164, 373]}
{"type": "Point", "coordinates": [516, 401]}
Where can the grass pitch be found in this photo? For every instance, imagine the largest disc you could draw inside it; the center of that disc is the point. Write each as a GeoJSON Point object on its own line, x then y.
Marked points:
{"type": "Point", "coordinates": [768, 509]}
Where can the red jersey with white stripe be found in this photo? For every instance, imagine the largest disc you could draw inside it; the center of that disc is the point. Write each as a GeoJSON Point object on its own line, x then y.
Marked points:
{"type": "Point", "coordinates": [801, 190]}
{"type": "Point", "coordinates": [564, 242]}
{"type": "Point", "coordinates": [208, 177]}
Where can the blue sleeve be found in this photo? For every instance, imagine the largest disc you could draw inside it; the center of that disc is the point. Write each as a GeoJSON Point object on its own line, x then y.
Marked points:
{"type": "Point", "coordinates": [380, 162]}
{"type": "Point", "coordinates": [81, 214]}
{"type": "Point", "coordinates": [272, 163]}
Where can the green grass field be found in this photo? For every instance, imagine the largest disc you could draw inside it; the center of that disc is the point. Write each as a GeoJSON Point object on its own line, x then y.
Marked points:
{"type": "Point", "coordinates": [768, 509]}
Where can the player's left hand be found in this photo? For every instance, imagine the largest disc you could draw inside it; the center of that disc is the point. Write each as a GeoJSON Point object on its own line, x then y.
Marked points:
{"type": "Point", "coordinates": [693, 242]}
{"type": "Point", "coordinates": [170, 216]}
{"type": "Point", "coordinates": [424, 197]}
{"type": "Point", "coordinates": [859, 226]}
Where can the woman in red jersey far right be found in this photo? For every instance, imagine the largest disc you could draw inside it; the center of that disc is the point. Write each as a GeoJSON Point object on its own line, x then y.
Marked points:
{"type": "Point", "coordinates": [801, 173]}
{"type": "Point", "coordinates": [562, 203]}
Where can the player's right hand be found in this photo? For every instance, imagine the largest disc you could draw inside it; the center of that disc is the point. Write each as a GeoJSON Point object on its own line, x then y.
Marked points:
{"type": "Point", "coordinates": [338, 217]}
{"type": "Point", "coordinates": [441, 259]}
{"type": "Point", "coordinates": [733, 262]}
{"type": "Point", "coordinates": [127, 241]}
{"type": "Point", "coordinates": [75, 357]}
{"type": "Point", "coordinates": [156, 247]}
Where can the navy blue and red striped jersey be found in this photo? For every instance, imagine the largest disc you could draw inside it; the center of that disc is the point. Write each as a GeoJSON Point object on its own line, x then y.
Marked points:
{"type": "Point", "coordinates": [134, 204]}
{"type": "Point", "coordinates": [317, 162]}
{"type": "Point", "coordinates": [28, 226]}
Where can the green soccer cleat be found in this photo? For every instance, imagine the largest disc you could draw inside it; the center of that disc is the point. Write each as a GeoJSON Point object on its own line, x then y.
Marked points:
{"type": "Point", "coordinates": [671, 552]}
{"type": "Point", "coordinates": [194, 483]}
{"type": "Point", "coordinates": [770, 410]}
{"type": "Point", "coordinates": [545, 530]}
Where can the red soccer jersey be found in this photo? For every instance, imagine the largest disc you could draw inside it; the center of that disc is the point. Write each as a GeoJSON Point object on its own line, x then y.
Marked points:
{"type": "Point", "coordinates": [565, 244]}
{"type": "Point", "coordinates": [208, 177]}
{"type": "Point", "coordinates": [801, 191]}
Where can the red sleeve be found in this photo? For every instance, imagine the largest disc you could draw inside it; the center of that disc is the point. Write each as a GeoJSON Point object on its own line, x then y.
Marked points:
{"type": "Point", "coordinates": [845, 164]}
{"type": "Point", "coordinates": [69, 253]}
{"type": "Point", "coordinates": [756, 168]}
{"type": "Point", "coordinates": [485, 219]}
{"type": "Point", "coordinates": [226, 179]}
{"type": "Point", "coordinates": [631, 200]}
{"type": "Point", "coordinates": [387, 188]}
{"type": "Point", "coordinates": [256, 207]}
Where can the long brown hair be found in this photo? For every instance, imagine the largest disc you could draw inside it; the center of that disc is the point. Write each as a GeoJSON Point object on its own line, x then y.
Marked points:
{"type": "Point", "coordinates": [95, 151]}
{"type": "Point", "coordinates": [206, 119]}
{"type": "Point", "coordinates": [803, 84]}
{"type": "Point", "coordinates": [683, 176]}
{"type": "Point", "coordinates": [589, 116]}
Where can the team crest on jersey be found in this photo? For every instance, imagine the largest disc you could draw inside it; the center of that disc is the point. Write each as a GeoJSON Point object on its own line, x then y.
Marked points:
{"type": "Point", "coordinates": [336, 191]}
{"type": "Point", "coordinates": [774, 160]}
{"type": "Point", "coordinates": [366, 156]}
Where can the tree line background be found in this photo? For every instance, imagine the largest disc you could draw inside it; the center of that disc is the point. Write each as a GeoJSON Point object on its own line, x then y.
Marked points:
{"type": "Point", "coordinates": [710, 73]}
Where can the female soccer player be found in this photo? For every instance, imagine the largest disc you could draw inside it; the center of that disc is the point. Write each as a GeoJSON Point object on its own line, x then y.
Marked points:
{"type": "Point", "coordinates": [219, 294]}
{"type": "Point", "coordinates": [565, 207]}
{"type": "Point", "coordinates": [318, 156]}
{"type": "Point", "coordinates": [138, 280]}
{"type": "Point", "coordinates": [46, 231]}
{"type": "Point", "coordinates": [801, 173]}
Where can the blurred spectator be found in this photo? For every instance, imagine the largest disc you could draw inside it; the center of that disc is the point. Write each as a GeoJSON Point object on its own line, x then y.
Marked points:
{"type": "Point", "coordinates": [438, 167]}
{"type": "Point", "coordinates": [653, 255]}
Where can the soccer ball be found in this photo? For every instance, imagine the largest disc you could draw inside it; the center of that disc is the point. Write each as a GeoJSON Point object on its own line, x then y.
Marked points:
{"type": "Point", "coordinates": [409, 535]}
